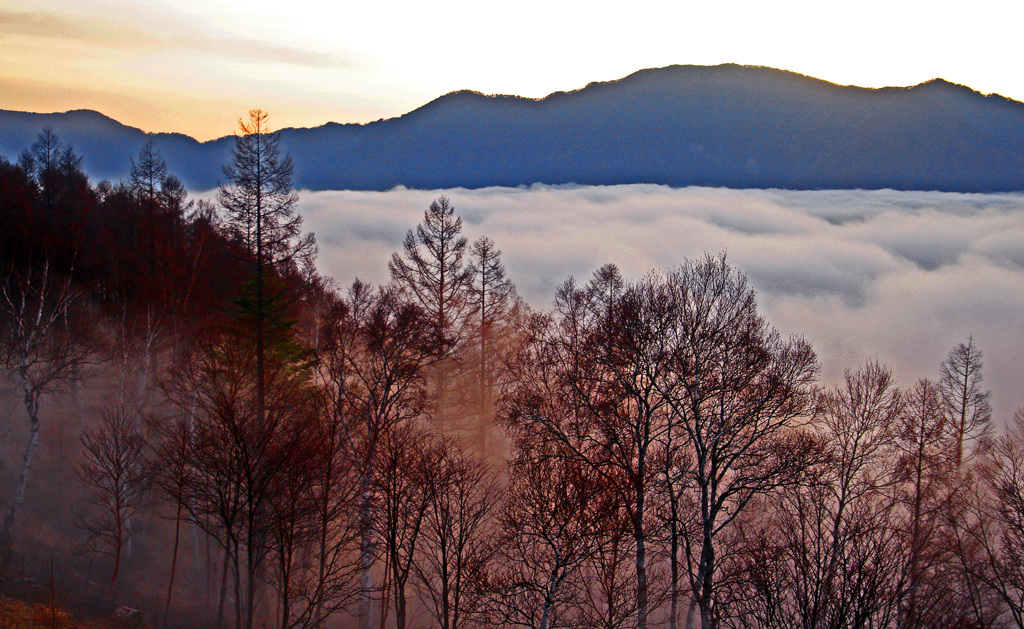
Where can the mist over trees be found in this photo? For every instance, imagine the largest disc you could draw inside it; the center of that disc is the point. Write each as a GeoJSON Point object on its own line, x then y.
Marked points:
{"type": "Point", "coordinates": [201, 427]}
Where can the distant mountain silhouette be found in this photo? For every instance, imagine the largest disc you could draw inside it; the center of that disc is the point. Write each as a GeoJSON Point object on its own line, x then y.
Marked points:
{"type": "Point", "coordinates": [728, 125]}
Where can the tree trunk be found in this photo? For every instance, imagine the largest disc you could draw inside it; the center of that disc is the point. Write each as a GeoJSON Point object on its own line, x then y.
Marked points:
{"type": "Point", "coordinates": [119, 536]}
{"type": "Point", "coordinates": [915, 533]}
{"type": "Point", "coordinates": [400, 606]}
{"type": "Point", "coordinates": [283, 600]}
{"type": "Point", "coordinates": [482, 396]}
{"type": "Point", "coordinates": [251, 569]}
{"type": "Point", "coordinates": [174, 562]}
{"type": "Point", "coordinates": [237, 573]}
{"type": "Point", "coordinates": [128, 538]}
{"type": "Point", "coordinates": [691, 612]}
{"type": "Point", "coordinates": [222, 598]}
{"type": "Point", "coordinates": [197, 566]}
{"type": "Point", "coordinates": [549, 596]}
{"type": "Point", "coordinates": [964, 394]}
{"type": "Point", "coordinates": [32, 406]}
{"type": "Point", "coordinates": [365, 612]}
{"type": "Point", "coordinates": [439, 393]}
{"type": "Point", "coordinates": [445, 580]}
{"type": "Point", "coordinates": [324, 524]}
{"type": "Point", "coordinates": [673, 613]}
{"type": "Point", "coordinates": [9, 428]}
{"type": "Point", "coordinates": [707, 571]}
{"type": "Point", "coordinates": [641, 580]}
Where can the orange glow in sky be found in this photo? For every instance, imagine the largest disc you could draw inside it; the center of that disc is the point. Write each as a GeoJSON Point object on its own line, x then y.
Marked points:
{"type": "Point", "coordinates": [195, 66]}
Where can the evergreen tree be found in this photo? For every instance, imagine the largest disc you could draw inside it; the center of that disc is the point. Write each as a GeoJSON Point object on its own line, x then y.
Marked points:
{"type": "Point", "coordinates": [144, 180]}
{"type": "Point", "coordinates": [260, 205]}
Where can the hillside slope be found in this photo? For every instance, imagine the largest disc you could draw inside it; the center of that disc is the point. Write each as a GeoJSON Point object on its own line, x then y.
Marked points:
{"type": "Point", "coordinates": [729, 125]}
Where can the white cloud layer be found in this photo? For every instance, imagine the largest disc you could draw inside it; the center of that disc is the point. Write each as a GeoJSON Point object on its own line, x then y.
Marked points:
{"type": "Point", "coordinates": [898, 276]}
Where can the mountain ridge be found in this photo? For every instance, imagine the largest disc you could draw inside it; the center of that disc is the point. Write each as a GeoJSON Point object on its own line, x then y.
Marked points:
{"type": "Point", "coordinates": [728, 125]}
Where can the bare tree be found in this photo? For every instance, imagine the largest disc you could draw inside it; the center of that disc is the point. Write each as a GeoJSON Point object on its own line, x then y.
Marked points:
{"type": "Point", "coordinates": [614, 344]}
{"type": "Point", "coordinates": [550, 523]}
{"type": "Point", "coordinates": [967, 406]}
{"type": "Point", "coordinates": [42, 161]}
{"type": "Point", "coordinates": [321, 500]}
{"type": "Point", "coordinates": [313, 504]}
{"type": "Point", "coordinates": [827, 554]}
{"type": "Point", "coordinates": [373, 349]}
{"type": "Point", "coordinates": [236, 453]}
{"type": "Point", "coordinates": [43, 351]}
{"type": "Point", "coordinates": [171, 477]}
{"type": "Point", "coordinates": [990, 521]}
{"type": "Point", "coordinates": [402, 497]}
{"type": "Point", "coordinates": [858, 421]}
{"type": "Point", "coordinates": [433, 271]}
{"type": "Point", "coordinates": [970, 536]}
{"type": "Point", "coordinates": [259, 198]}
{"type": "Point", "coordinates": [673, 485]}
{"type": "Point", "coordinates": [493, 297]}
{"type": "Point", "coordinates": [132, 348]}
{"type": "Point", "coordinates": [115, 471]}
{"type": "Point", "coordinates": [462, 494]}
{"type": "Point", "coordinates": [925, 466]}
{"type": "Point", "coordinates": [260, 204]}
{"type": "Point", "coordinates": [738, 393]}
{"type": "Point", "coordinates": [687, 353]}
{"type": "Point", "coordinates": [211, 492]}
{"type": "Point", "coordinates": [607, 597]}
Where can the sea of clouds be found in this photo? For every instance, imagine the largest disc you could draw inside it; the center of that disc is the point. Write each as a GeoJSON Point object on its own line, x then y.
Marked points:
{"type": "Point", "coordinates": [897, 276]}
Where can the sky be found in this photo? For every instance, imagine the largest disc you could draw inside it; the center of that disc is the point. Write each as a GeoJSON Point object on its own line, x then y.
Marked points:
{"type": "Point", "coordinates": [196, 66]}
{"type": "Point", "coordinates": [900, 277]}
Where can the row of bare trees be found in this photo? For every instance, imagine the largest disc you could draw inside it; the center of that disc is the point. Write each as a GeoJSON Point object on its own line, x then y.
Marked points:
{"type": "Point", "coordinates": [753, 497]}
{"type": "Point", "coordinates": [761, 499]}
{"type": "Point", "coordinates": [684, 405]}
{"type": "Point", "coordinates": [341, 483]}
{"type": "Point", "coordinates": [471, 302]}
{"type": "Point", "coordinates": [263, 436]}
{"type": "Point", "coordinates": [667, 458]}
{"type": "Point", "coordinates": [887, 532]}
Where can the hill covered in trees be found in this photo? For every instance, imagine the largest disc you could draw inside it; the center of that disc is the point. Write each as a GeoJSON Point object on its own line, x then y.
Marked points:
{"type": "Point", "coordinates": [733, 126]}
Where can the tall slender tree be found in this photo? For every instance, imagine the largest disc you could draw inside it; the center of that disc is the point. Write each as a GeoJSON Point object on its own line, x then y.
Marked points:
{"type": "Point", "coordinates": [463, 493]}
{"type": "Point", "coordinates": [401, 500]}
{"type": "Point", "coordinates": [260, 205]}
{"type": "Point", "coordinates": [259, 201]}
{"type": "Point", "coordinates": [967, 406]}
{"type": "Point", "coordinates": [990, 520]}
{"type": "Point", "coordinates": [493, 296]}
{"type": "Point", "coordinates": [433, 270]}
{"type": "Point", "coordinates": [42, 161]}
{"type": "Point", "coordinates": [145, 180]}
{"type": "Point", "coordinates": [373, 348]}
{"type": "Point", "coordinates": [925, 466]}
{"type": "Point", "coordinates": [171, 477]}
{"type": "Point", "coordinates": [40, 346]}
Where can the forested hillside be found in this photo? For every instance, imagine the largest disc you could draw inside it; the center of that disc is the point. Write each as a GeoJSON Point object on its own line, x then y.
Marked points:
{"type": "Point", "coordinates": [729, 125]}
{"type": "Point", "coordinates": [202, 431]}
